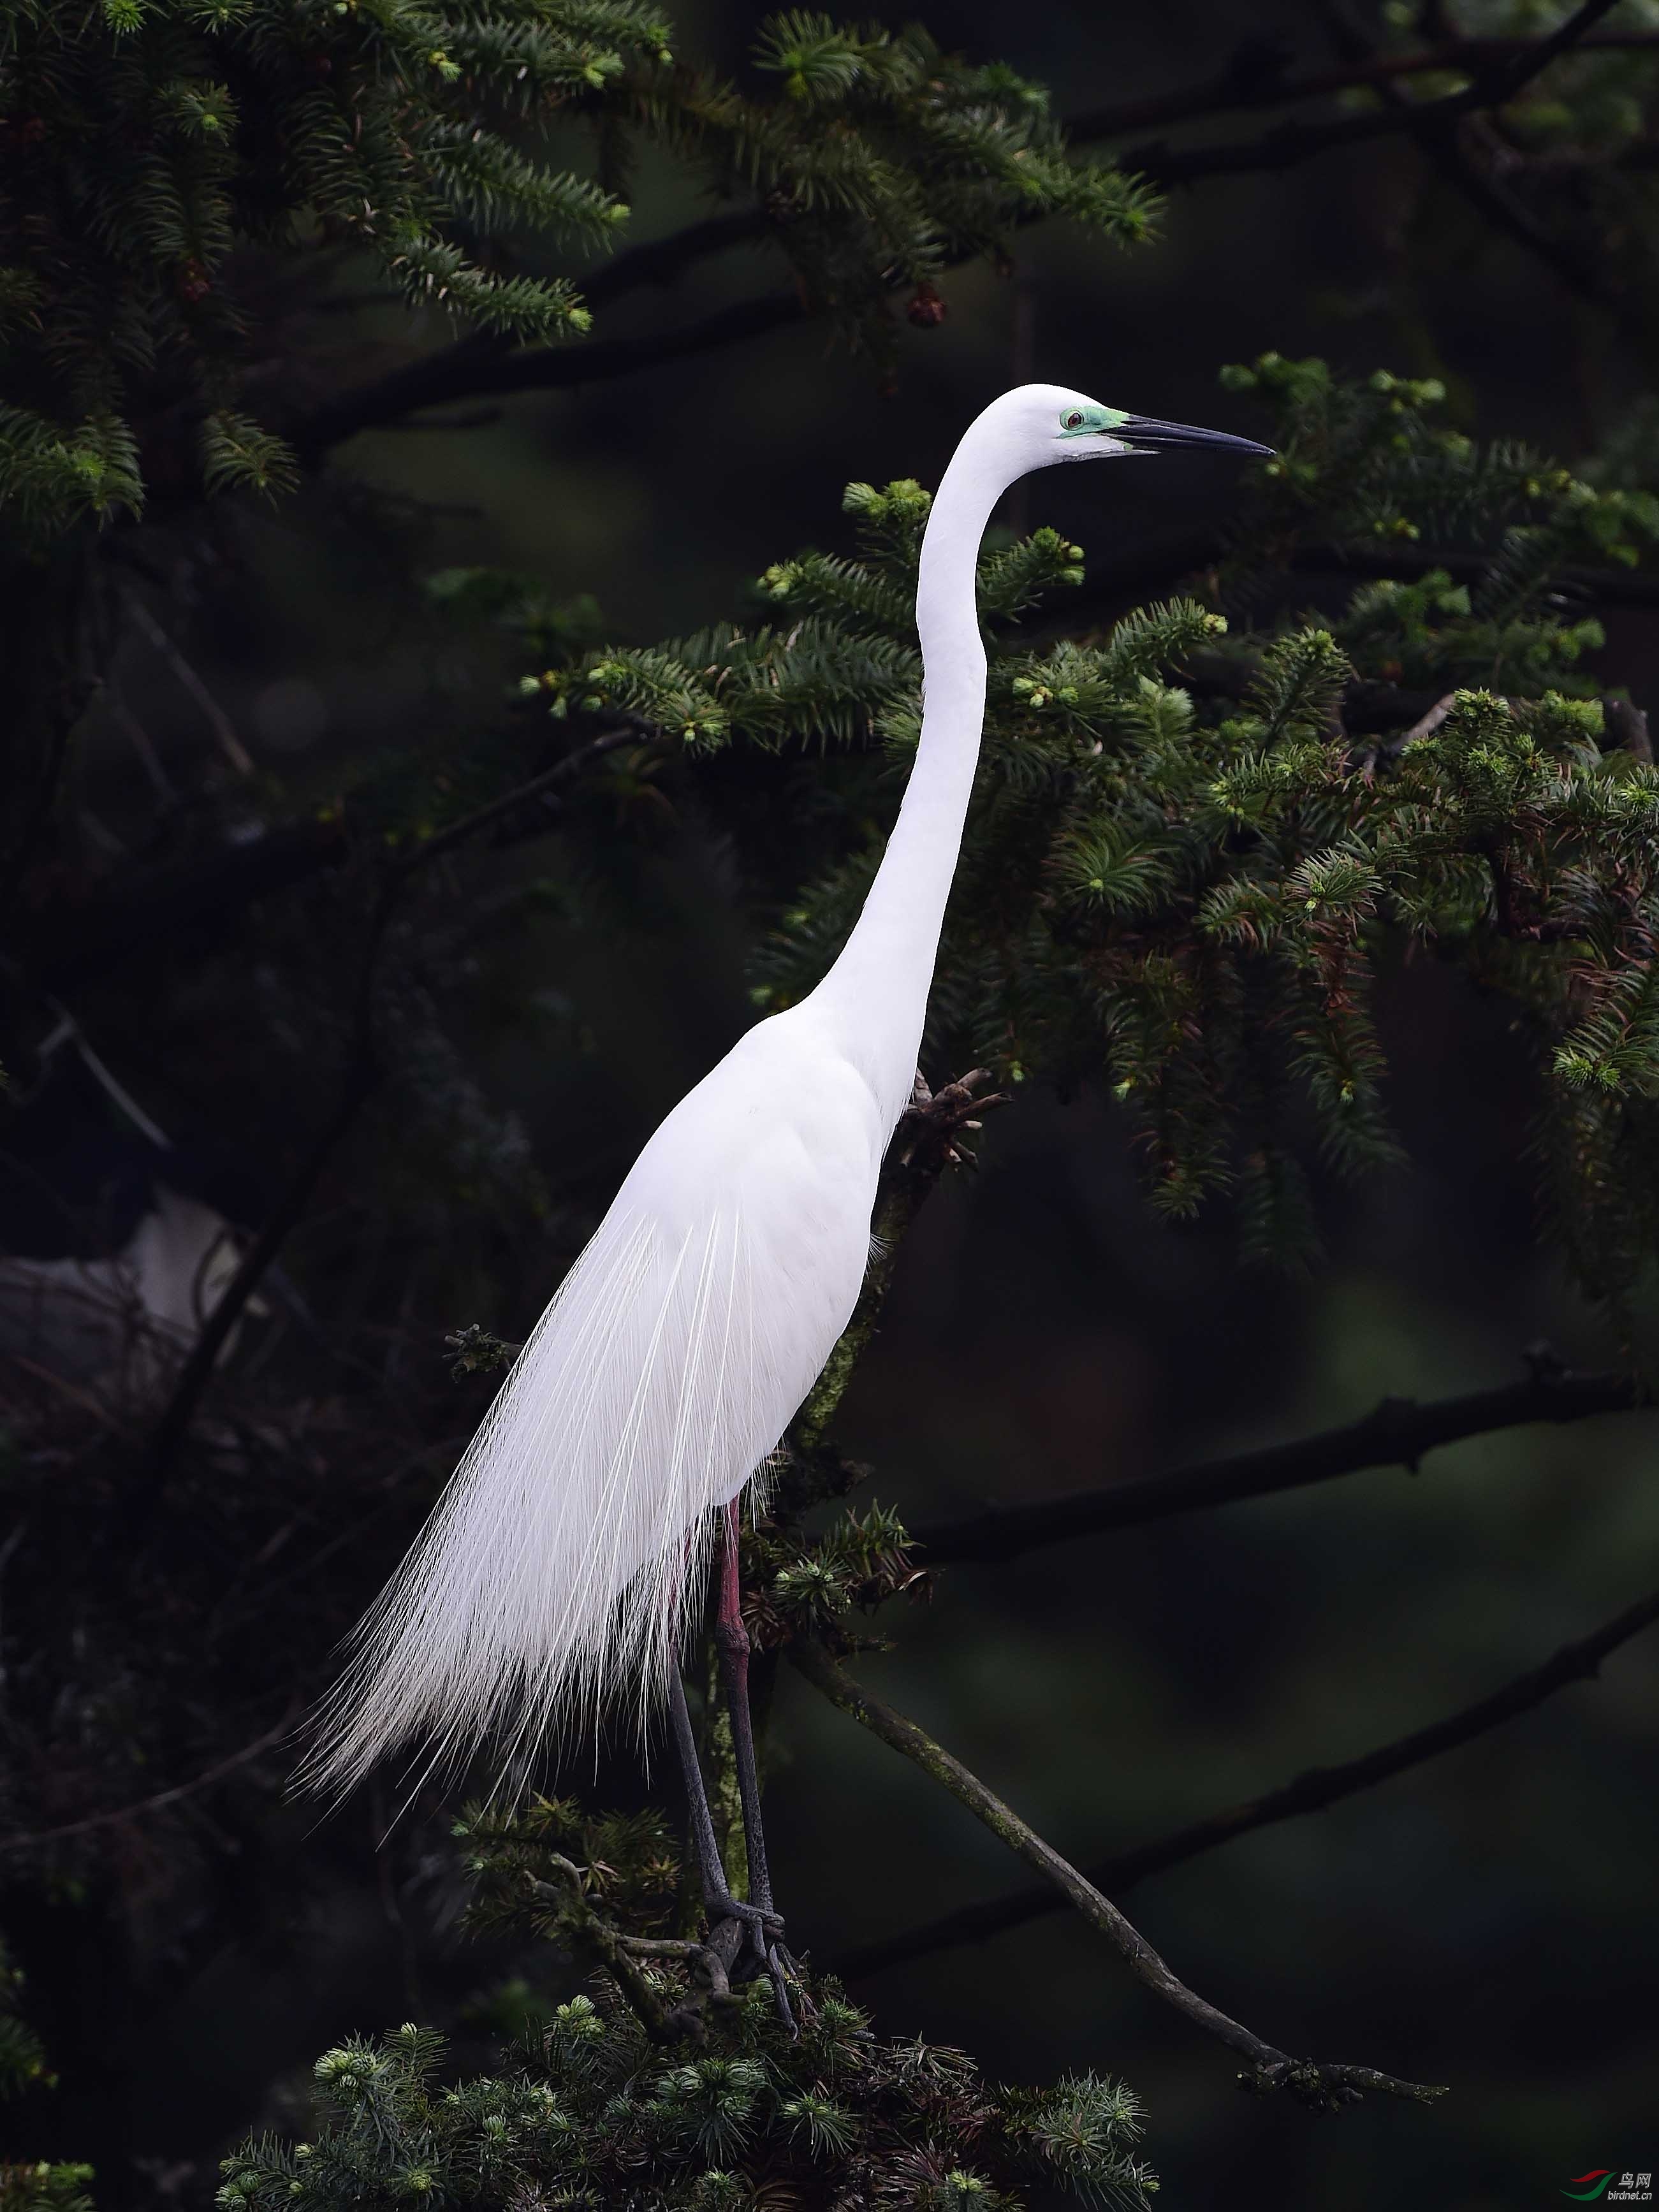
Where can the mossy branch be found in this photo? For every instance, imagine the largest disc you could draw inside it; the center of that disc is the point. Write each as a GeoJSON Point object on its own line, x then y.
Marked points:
{"type": "Point", "coordinates": [1321, 2085]}
{"type": "Point", "coordinates": [1310, 1792]}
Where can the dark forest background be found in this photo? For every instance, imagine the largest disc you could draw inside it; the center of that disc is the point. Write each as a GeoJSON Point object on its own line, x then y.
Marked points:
{"type": "Point", "coordinates": [1484, 1920]}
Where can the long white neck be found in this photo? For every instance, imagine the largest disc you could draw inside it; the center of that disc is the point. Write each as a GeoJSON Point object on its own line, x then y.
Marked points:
{"type": "Point", "coordinates": [876, 994]}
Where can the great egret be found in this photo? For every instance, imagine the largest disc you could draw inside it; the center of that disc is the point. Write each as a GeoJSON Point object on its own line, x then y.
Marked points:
{"type": "Point", "coordinates": [561, 1565]}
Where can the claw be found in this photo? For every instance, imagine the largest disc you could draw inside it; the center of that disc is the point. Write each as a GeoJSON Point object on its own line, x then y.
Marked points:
{"type": "Point", "coordinates": [934, 1121]}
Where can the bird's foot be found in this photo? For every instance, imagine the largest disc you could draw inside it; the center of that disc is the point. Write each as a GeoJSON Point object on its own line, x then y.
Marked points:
{"type": "Point", "coordinates": [932, 1125]}
{"type": "Point", "coordinates": [749, 1942]}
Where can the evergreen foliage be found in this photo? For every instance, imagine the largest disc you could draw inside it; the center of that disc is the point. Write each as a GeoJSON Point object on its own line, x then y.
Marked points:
{"type": "Point", "coordinates": [1211, 833]}
{"type": "Point", "coordinates": [1183, 874]}
{"type": "Point", "coordinates": [168, 165]}
{"type": "Point", "coordinates": [589, 2107]}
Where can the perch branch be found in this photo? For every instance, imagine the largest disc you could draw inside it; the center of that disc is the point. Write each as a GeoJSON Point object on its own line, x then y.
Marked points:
{"type": "Point", "coordinates": [1321, 2086]}
{"type": "Point", "coordinates": [604, 1946]}
{"type": "Point", "coordinates": [1310, 1792]}
{"type": "Point", "coordinates": [1397, 1432]}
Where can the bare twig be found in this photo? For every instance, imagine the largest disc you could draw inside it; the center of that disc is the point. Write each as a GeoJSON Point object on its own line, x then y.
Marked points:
{"type": "Point", "coordinates": [1324, 2087]}
{"type": "Point", "coordinates": [1397, 1432]}
{"type": "Point", "coordinates": [473, 371]}
{"type": "Point", "coordinates": [1236, 87]}
{"type": "Point", "coordinates": [1289, 143]}
{"type": "Point", "coordinates": [1310, 1792]}
{"type": "Point", "coordinates": [161, 1797]}
{"type": "Point", "coordinates": [498, 810]}
{"type": "Point", "coordinates": [220, 722]}
{"type": "Point", "coordinates": [1447, 137]}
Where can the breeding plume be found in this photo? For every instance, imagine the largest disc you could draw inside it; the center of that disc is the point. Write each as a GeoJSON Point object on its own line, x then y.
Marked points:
{"type": "Point", "coordinates": [557, 1571]}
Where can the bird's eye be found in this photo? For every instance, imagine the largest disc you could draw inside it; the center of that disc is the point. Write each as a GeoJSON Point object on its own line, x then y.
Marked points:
{"type": "Point", "coordinates": [1073, 420]}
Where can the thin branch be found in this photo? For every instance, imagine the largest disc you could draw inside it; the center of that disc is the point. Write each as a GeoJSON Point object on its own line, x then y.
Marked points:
{"type": "Point", "coordinates": [1289, 143]}
{"type": "Point", "coordinates": [1319, 2085]}
{"type": "Point", "coordinates": [486, 363]}
{"type": "Point", "coordinates": [1397, 1432]}
{"type": "Point", "coordinates": [361, 1079]}
{"type": "Point", "coordinates": [1238, 86]}
{"type": "Point", "coordinates": [220, 722]}
{"type": "Point", "coordinates": [1169, 559]}
{"type": "Point", "coordinates": [664, 261]}
{"type": "Point", "coordinates": [161, 1799]}
{"type": "Point", "coordinates": [587, 1931]}
{"type": "Point", "coordinates": [538, 787]}
{"type": "Point", "coordinates": [473, 371]}
{"type": "Point", "coordinates": [1497, 87]}
{"type": "Point", "coordinates": [1310, 1792]}
{"type": "Point", "coordinates": [1444, 140]}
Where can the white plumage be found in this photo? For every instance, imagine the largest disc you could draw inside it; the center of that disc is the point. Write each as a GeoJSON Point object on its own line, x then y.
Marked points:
{"type": "Point", "coordinates": [557, 1570]}
{"type": "Point", "coordinates": [559, 1564]}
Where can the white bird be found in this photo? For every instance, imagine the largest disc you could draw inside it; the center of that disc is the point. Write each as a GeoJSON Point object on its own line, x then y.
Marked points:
{"type": "Point", "coordinates": [560, 1568]}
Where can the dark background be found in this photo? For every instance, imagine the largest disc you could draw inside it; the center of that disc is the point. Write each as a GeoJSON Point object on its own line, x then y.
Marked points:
{"type": "Point", "coordinates": [1485, 1920]}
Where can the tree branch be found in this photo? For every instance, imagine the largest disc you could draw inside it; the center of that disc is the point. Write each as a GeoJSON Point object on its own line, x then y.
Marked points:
{"type": "Point", "coordinates": [1310, 1792]}
{"type": "Point", "coordinates": [485, 363]}
{"type": "Point", "coordinates": [1397, 1432]}
{"type": "Point", "coordinates": [1321, 2085]}
{"type": "Point", "coordinates": [1443, 139]}
{"type": "Point", "coordinates": [472, 369]}
{"type": "Point", "coordinates": [161, 1797]}
{"type": "Point", "coordinates": [1241, 85]}
{"type": "Point", "coordinates": [1289, 143]}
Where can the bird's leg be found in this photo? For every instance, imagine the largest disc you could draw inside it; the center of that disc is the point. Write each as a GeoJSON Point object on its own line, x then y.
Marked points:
{"type": "Point", "coordinates": [732, 1643]}
{"type": "Point", "coordinates": [754, 1925]}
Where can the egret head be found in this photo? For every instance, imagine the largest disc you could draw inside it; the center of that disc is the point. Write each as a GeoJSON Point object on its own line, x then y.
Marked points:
{"type": "Point", "coordinates": [1037, 425]}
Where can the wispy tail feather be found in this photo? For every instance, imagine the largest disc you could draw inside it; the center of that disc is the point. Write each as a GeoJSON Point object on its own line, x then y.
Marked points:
{"type": "Point", "coordinates": [556, 1569]}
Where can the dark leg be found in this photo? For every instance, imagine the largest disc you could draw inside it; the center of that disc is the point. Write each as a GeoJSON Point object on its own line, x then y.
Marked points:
{"type": "Point", "coordinates": [756, 1927]}
{"type": "Point", "coordinates": [731, 1642]}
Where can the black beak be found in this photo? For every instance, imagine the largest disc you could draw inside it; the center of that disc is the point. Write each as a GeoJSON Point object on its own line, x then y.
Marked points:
{"type": "Point", "coordinates": [1147, 435]}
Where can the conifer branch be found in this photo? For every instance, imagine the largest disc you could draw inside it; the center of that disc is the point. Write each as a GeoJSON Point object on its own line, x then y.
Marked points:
{"type": "Point", "coordinates": [454, 370]}
{"type": "Point", "coordinates": [487, 363]}
{"type": "Point", "coordinates": [1310, 1792]}
{"type": "Point", "coordinates": [1321, 2085]}
{"type": "Point", "coordinates": [1396, 1432]}
{"type": "Point", "coordinates": [604, 1946]}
